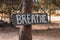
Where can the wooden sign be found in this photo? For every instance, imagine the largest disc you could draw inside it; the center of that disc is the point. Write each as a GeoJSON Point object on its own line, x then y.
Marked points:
{"type": "Point", "coordinates": [25, 19]}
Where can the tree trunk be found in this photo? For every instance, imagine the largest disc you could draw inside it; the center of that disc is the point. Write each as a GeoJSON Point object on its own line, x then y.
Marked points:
{"type": "Point", "coordinates": [26, 31]}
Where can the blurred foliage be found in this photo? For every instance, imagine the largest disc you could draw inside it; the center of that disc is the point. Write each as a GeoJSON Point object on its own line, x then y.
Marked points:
{"type": "Point", "coordinates": [47, 4]}
{"type": "Point", "coordinates": [56, 2]}
{"type": "Point", "coordinates": [41, 4]}
{"type": "Point", "coordinates": [36, 6]}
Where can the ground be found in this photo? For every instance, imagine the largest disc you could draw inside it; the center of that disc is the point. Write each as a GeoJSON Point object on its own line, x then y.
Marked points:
{"type": "Point", "coordinates": [10, 33]}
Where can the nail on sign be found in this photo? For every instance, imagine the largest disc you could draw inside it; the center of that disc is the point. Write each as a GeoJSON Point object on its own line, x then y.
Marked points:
{"type": "Point", "coordinates": [25, 19]}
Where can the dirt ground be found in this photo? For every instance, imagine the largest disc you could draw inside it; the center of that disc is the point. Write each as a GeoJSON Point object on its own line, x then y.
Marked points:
{"type": "Point", "coordinates": [10, 33]}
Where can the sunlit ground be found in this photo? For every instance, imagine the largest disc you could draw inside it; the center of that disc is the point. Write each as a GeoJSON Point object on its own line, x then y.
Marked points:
{"type": "Point", "coordinates": [9, 33]}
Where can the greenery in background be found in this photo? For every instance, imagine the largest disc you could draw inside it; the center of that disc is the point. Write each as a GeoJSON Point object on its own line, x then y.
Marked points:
{"type": "Point", "coordinates": [41, 4]}
{"type": "Point", "coordinates": [56, 3]}
{"type": "Point", "coordinates": [47, 4]}
{"type": "Point", "coordinates": [36, 6]}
